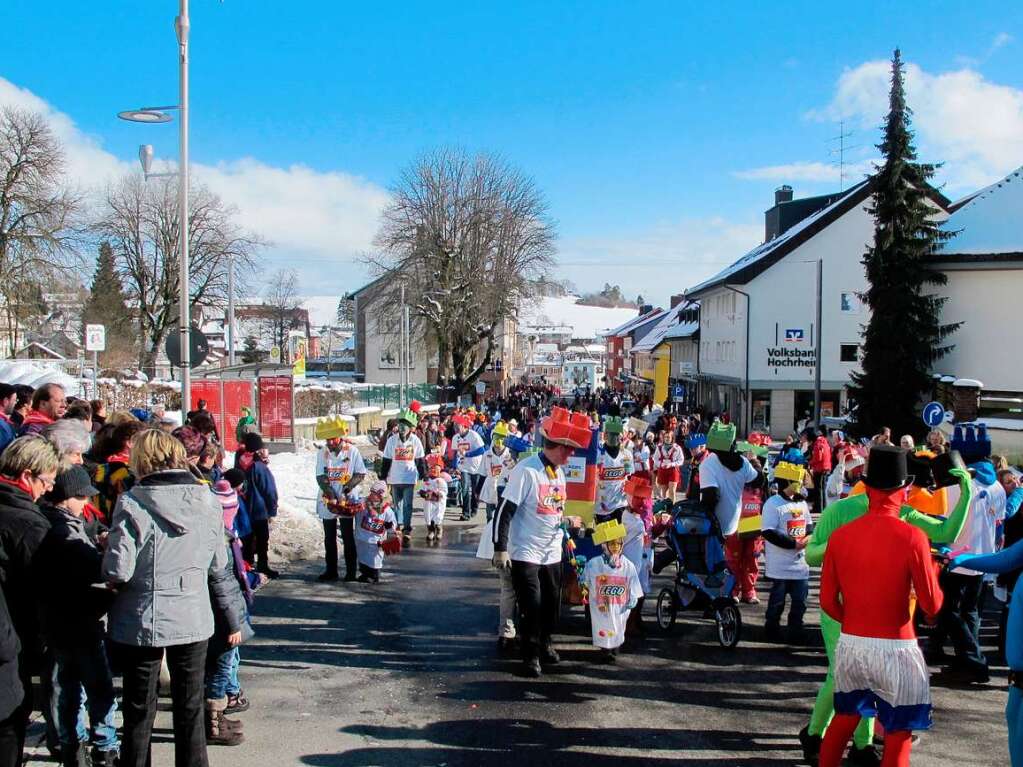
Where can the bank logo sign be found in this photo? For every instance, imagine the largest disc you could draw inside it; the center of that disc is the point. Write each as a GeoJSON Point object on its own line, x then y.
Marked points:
{"type": "Point", "coordinates": [793, 335]}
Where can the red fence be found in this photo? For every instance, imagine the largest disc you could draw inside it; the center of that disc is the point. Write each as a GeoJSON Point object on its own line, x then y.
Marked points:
{"type": "Point", "coordinates": [276, 397]}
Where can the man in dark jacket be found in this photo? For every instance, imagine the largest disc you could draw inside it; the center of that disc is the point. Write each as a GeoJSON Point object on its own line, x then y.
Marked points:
{"type": "Point", "coordinates": [260, 497]}
{"type": "Point", "coordinates": [8, 396]}
{"type": "Point", "coordinates": [67, 567]}
{"type": "Point", "coordinates": [28, 468]}
{"type": "Point", "coordinates": [48, 405]}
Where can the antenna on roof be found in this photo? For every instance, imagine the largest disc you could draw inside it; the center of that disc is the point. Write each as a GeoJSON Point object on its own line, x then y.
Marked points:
{"type": "Point", "coordinates": [840, 151]}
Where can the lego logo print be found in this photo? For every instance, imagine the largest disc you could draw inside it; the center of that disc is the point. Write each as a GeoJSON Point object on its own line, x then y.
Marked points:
{"type": "Point", "coordinates": [404, 453]}
{"type": "Point", "coordinates": [550, 500]}
{"type": "Point", "coordinates": [610, 474]}
{"type": "Point", "coordinates": [612, 592]}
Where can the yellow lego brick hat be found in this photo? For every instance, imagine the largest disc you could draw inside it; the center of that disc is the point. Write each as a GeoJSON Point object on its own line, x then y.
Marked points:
{"type": "Point", "coordinates": [331, 427]}
{"type": "Point", "coordinates": [606, 532]}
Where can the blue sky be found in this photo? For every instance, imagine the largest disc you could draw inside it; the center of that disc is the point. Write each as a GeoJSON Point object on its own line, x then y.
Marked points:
{"type": "Point", "coordinates": [657, 130]}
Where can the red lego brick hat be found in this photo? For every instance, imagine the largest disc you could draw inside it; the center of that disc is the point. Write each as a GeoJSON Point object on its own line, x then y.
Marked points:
{"type": "Point", "coordinates": [638, 487]}
{"type": "Point", "coordinates": [567, 428]}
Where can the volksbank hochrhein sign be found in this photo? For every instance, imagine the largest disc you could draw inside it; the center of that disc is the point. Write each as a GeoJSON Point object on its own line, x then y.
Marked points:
{"type": "Point", "coordinates": [789, 357]}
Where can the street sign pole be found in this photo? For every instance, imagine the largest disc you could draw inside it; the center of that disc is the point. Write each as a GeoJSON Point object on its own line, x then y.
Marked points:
{"type": "Point", "coordinates": [95, 374]}
{"type": "Point", "coordinates": [95, 342]}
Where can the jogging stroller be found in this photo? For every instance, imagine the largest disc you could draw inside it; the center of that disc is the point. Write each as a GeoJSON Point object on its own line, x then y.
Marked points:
{"type": "Point", "coordinates": [702, 579]}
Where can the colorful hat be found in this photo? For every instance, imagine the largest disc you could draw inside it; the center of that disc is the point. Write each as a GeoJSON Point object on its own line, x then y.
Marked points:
{"type": "Point", "coordinates": [721, 436]}
{"type": "Point", "coordinates": [516, 444]}
{"type": "Point", "coordinates": [409, 416]}
{"type": "Point", "coordinates": [887, 468]}
{"type": "Point", "coordinates": [378, 488]}
{"type": "Point", "coordinates": [638, 487]}
{"type": "Point", "coordinates": [331, 427]}
{"type": "Point", "coordinates": [789, 472]}
{"type": "Point", "coordinates": [461, 419]}
{"type": "Point", "coordinates": [613, 425]}
{"type": "Point", "coordinates": [606, 532]}
{"type": "Point", "coordinates": [971, 441]}
{"type": "Point", "coordinates": [500, 430]}
{"type": "Point", "coordinates": [529, 451]}
{"type": "Point", "coordinates": [564, 428]}
{"type": "Point", "coordinates": [696, 440]}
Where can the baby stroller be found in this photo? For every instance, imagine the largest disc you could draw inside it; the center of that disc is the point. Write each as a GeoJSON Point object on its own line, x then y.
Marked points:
{"type": "Point", "coordinates": [702, 578]}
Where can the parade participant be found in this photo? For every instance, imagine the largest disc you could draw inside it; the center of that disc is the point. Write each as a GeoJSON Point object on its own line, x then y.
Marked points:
{"type": "Point", "coordinates": [1007, 561]}
{"type": "Point", "coordinates": [373, 519]}
{"type": "Point", "coordinates": [842, 512]}
{"type": "Point", "coordinates": [873, 566]}
{"type": "Point", "coordinates": [435, 496]}
{"type": "Point", "coordinates": [469, 448]}
{"type": "Point", "coordinates": [638, 547]}
{"type": "Point", "coordinates": [403, 465]}
{"type": "Point", "coordinates": [612, 588]}
{"type": "Point", "coordinates": [696, 444]}
{"type": "Point", "coordinates": [339, 472]}
{"type": "Point", "coordinates": [496, 464]}
{"type": "Point", "coordinates": [528, 533]}
{"type": "Point", "coordinates": [785, 525]}
{"type": "Point", "coordinates": [614, 465]}
{"type": "Point", "coordinates": [723, 475]}
{"type": "Point", "coordinates": [667, 462]}
{"type": "Point", "coordinates": [847, 471]}
{"type": "Point", "coordinates": [640, 457]}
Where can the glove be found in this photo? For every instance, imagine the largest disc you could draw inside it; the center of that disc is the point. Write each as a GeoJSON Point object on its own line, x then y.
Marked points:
{"type": "Point", "coordinates": [961, 474]}
{"type": "Point", "coordinates": [501, 560]}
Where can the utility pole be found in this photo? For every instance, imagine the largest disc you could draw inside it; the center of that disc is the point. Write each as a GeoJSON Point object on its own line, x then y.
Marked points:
{"type": "Point", "coordinates": [230, 310]}
{"type": "Point", "coordinates": [181, 26]}
{"type": "Point", "coordinates": [817, 351]}
{"type": "Point", "coordinates": [401, 352]}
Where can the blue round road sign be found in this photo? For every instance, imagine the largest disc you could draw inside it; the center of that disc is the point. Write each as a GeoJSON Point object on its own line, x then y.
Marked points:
{"type": "Point", "coordinates": [933, 414]}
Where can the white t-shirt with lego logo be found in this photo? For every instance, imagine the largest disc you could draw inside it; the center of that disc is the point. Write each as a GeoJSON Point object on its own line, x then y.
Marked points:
{"type": "Point", "coordinates": [612, 593]}
{"type": "Point", "coordinates": [791, 517]}
{"type": "Point", "coordinates": [611, 476]}
{"type": "Point", "coordinates": [496, 468]}
{"type": "Point", "coordinates": [463, 444]}
{"type": "Point", "coordinates": [403, 455]}
{"type": "Point", "coordinates": [338, 469]}
{"type": "Point", "coordinates": [730, 485]}
{"type": "Point", "coordinates": [535, 534]}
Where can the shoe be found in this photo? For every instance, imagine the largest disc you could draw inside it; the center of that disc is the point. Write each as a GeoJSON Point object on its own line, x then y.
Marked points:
{"type": "Point", "coordinates": [327, 577]}
{"type": "Point", "coordinates": [438, 533]}
{"type": "Point", "coordinates": [532, 668]}
{"type": "Point", "coordinates": [218, 731]}
{"type": "Point", "coordinates": [864, 757]}
{"type": "Point", "coordinates": [363, 578]}
{"type": "Point", "coordinates": [607, 656]}
{"type": "Point", "coordinates": [236, 704]}
{"type": "Point", "coordinates": [268, 571]}
{"type": "Point", "coordinates": [506, 645]}
{"type": "Point", "coordinates": [753, 600]}
{"type": "Point", "coordinates": [104, 758]}
{"type": "Point", "coordinates": [811, 746]}
{"type": "Point", "coordinates": [429, 536]}
{"type": "Point", "coordinates": [549, 656]}
{"type": "Point", "coordinates": [350, 577]}
{"type": "Point", "coordinates": [406, 538]}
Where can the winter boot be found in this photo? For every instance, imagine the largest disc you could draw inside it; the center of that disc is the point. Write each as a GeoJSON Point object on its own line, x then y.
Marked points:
{"type": "Point", "coordinates": [104, 758]}
{"type": "Point", "coordinates": [218, 731]}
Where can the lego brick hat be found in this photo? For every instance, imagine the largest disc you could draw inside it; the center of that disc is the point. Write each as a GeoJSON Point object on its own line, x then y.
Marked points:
{"type": "Point", "coordinates": [410, 415]}
{"type": "Point", "coordinates": [564, 428]}
{"type": "Point", "coordinates": [461, 419]}
{"type": "Point", "coordinates": [606, 532]}
{"type": "Point", "coordinates": [699, 439]}
{"type": "Point", "coordinates": [721, 436]}
{"type": "Point", "coordinates": [972, 442]}
{"type": "Point", "coordinates": [73, 483]}
{"type": "Point", "coordinates": [613, 425]}
{"type": "Point", "coordinates": [500, 430]}
{"type": "Point", "coordinates": [638, 487]}
{"type": "Point", "coordinates": [516, 444]}
{"type": "Point", "coordinates": [331, 427]}
{"type": "Point", "coordinates": [887, 468]}
{"type": "Point", "coordinates": [789, 472]}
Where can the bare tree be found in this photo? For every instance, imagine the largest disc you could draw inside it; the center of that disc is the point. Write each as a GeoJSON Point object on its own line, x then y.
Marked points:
{"type": "Point", "coordinates": [37, 211]}
{"type": "Point", "coordinates": [464, 235]}
{"type": "Point", "coordinates": [281, 304]}
{"type": "Point", "coordinates": [140, 220]}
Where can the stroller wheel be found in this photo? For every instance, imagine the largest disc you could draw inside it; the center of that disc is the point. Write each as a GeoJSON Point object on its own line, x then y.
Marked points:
{"type": "Point", "coordinates": [729, 623]}
{"type": "Point", "coordinates": [667, 610]}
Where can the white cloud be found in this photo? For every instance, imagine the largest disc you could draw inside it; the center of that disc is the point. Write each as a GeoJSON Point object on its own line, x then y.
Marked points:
{"type": "Point", "coordinates": [805, 171]}
{"type": "Point", "coordinates": [972, 125]}
{"type": "Point", "coordinates": [1001, 40]}
{"type": "Point", "coordinates": [661, 261]}
{"type": "Point", "coordinates": [314, 219]}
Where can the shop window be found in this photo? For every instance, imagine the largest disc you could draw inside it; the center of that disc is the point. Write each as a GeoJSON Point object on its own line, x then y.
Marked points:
{"type": "Point", "coordinates": [849, 352]}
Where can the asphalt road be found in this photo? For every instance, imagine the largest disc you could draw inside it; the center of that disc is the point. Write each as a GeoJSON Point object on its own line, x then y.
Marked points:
{"type": "Point", "coordinates": [407, 673]}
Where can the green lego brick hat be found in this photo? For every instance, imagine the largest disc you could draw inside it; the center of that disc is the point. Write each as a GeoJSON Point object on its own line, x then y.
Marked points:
{"type": "Point", "coordinates": [613, 425]}
{"type": "Point", "coordinates": [721, 436]}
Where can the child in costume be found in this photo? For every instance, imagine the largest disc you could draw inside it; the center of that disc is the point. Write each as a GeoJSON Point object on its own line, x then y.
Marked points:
{"type": "Point", "coordinates": [872, 567]}
{"type": "Point", "coordinates": [640, 456]}
{"type": "Point", "coordinates": [372, 522]}
{"type": "Point", "coordinates": [696, 444]}
{"type": "Point", "coordinates": [836, 515]}
{"type": "Point", "coordinates": [497, 462]}
{"type": "Point", "coordinates": [614, 465]}
{"type": "Point", "coordinates": [668, 459]}
{"type": "Point", "coordinates": [469, 449]}
{"type": "Point", "coordinates": [613, 589]}
{"type": "Point", "coordinates": [785, 526]}
{"type": "Point", "coordinates": [404, 464]}
{"type": "Point", "coordinates": [435, 496]}
{"type": "Point", "coordinates": [339, 472]}
{"type": "Point", "coordinates": [638, 548]}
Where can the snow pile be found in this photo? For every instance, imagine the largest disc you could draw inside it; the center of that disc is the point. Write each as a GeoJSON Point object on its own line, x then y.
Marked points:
{"type": "Point", "coordinates": [36, 374]}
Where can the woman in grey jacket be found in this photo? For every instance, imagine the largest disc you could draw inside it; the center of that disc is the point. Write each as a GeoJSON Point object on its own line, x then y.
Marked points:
{"type": "Point", "coordinates": [165, 558]}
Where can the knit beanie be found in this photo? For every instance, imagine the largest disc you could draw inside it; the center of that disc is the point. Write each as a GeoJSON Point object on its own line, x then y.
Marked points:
{"type": "Point", "coordinates": [252, 442]}
{"type": "Point", "coordinates": [228, 500]}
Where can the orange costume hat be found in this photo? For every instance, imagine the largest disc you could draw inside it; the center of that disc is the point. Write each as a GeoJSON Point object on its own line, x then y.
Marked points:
{"type": "Point", "coordinates": [638, 487]}
{"type": "Point", "coordinates": [566, 428]}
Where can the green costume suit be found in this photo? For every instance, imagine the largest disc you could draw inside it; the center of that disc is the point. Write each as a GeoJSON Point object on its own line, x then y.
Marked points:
{"type": "Point", "coordinates": [938, 529]}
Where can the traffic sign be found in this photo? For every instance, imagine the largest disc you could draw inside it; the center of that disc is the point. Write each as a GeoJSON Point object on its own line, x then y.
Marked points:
{"type": "Point", "coordinates": [679, 393]}
{"type": "Point", "coordinates": [481, 387]}
{"type": "Point", "coordinates": [933, 414]}
{"type": "Point", "coordinates": [198, 347]}
{"type": "Point", "coordinates": [95, 338]}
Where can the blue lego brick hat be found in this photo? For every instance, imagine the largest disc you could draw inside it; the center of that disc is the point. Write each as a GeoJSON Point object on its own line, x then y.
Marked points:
{"type": "Point", "coordinates": [971, 441]}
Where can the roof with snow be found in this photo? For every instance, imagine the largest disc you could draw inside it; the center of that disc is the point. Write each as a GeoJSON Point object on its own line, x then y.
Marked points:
{"type": "Point", "coordinates": [635, 322]}
{"type": "Point", "coordinates": [585, 321]}
{"type": "Point", "coordinates": [769, 253]}
{"type": "Point", "coordinates": [668, 321]}
{"type": "Point", "coordinates": [989, 222]}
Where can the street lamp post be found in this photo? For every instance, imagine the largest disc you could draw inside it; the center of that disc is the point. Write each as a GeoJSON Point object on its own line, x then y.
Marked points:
{"type": "Point", "coordinates": [153, 115]}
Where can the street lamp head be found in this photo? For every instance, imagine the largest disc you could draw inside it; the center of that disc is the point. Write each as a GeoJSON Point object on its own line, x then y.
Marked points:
{"type": "Point", "coordinates": [146, 157]}
{"type": "Point", "coordinates": [145, 116]}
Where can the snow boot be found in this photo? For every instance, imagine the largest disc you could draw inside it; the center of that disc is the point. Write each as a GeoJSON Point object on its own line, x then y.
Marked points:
{"type": "Point", "coordinates": [219, 731]}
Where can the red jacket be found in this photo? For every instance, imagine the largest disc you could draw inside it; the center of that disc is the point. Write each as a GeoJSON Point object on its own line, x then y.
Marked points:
{"type": "Point", "coordinates": [820, 456]}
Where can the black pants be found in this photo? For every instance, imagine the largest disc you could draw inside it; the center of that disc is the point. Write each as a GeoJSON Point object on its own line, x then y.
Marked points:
{"type": "Point", "coordinates": [538, 591]}
{"type": "Point", "coordinates": [12, 729]}
{"type": "Point", "coordinates": [256, 548]}
{"type": "Point", "coordinates": [330, 526]}
{"type": "Point", "coordinates": [187, 664]}
{"type": "Point", "coordinates": [820, 482]}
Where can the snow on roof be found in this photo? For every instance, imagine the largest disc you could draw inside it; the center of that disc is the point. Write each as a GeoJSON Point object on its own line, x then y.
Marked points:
{"type": "Point", "coordinates": [990, 222]}
{"type": "Point", "coordinates": [585, 321]}
{"type": "Point", "coordinates": [659, 331]}
{"type": "Point", "coordinates": [636, 322]}
{"type": "Point", "coordinates": [765, 249]}
{"type": "Point", "coordinates": [682, 330]}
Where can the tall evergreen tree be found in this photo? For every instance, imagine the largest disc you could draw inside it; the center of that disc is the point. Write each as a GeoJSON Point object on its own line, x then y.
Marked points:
{"type": "Point", "coordinates": [108, 306]}
{"type": "Point", "coordinates": [904, 336]}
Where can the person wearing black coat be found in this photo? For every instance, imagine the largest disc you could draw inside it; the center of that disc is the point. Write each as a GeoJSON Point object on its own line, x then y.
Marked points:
{"type": "Point", "coordinates": [28, 467]}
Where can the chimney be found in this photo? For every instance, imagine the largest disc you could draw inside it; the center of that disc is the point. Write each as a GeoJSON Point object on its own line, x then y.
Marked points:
{"type": "Point", "coordinates": [772, 217]}
{"type": "Point", "coordinates": [645, 309]}
{"type": "Point", "coordinates": [783, 194]}
{"type": "Point", "coordinates": [677, 299]}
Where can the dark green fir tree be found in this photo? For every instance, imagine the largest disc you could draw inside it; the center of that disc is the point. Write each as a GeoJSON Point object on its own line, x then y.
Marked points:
{"type": "Point", "coordinates": [905, 335]}
{"type": "Point", "coordinates": [107, 305]}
